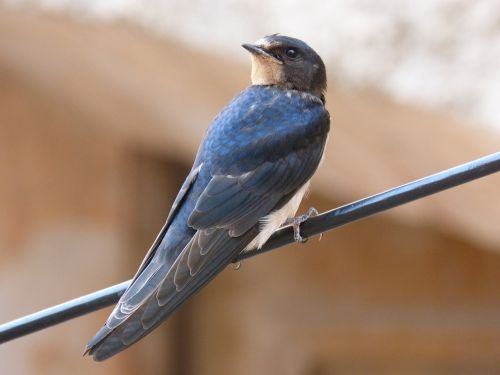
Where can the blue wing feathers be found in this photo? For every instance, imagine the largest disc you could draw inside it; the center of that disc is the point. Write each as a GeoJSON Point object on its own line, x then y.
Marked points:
{"type": "Point", "coordinates": [258, 151]}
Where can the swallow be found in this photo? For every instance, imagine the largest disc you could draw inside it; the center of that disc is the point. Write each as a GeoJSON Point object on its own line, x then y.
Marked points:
{"type": "Point", "coordinates": [249, 176]}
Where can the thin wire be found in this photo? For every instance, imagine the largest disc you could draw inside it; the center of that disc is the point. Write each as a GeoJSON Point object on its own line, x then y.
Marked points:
{"type": "Point", "coordinates": [316, 225]}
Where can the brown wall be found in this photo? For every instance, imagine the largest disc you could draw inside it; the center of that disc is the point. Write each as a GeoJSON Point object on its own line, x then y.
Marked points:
{"type": "Point", "coordinates": [77, 211]}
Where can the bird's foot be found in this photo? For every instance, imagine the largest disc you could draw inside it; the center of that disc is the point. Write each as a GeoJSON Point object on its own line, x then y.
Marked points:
{"type": "Point", "coordinates": [297, 220]}
{"type": "Point", "coordinates": [236, 265]}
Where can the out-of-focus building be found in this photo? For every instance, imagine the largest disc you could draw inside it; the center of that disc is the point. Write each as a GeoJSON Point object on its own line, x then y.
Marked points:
{"type": "Point", "coordinates": [99, 124]}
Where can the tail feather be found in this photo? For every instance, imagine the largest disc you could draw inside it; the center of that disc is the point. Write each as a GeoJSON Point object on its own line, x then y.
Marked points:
{"type": "Point", "coordinates": [110, 341]}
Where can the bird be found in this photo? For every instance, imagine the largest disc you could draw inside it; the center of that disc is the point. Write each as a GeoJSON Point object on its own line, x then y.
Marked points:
{"type": "Point", "coordinates": [248, 178]}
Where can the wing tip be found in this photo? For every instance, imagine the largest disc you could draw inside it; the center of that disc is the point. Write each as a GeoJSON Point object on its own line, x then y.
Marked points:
{"type": "Point", "coordinates": [92, 347]}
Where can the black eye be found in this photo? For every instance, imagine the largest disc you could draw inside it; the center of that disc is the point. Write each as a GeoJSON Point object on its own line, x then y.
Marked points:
{"type": "Point", "coordinates": [292, 53]}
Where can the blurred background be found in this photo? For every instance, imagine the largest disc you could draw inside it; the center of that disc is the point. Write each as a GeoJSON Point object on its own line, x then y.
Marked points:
{"type": "Point", "coordinates": [102, 106]}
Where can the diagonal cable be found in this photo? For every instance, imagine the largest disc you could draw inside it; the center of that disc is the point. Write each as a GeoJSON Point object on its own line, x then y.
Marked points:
{"type": "Point", "coordinates": [316, 225]}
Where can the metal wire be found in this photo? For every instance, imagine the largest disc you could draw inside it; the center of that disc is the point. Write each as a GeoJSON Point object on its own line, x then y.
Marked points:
{"type": "Point", "coordinates": [328, 220]}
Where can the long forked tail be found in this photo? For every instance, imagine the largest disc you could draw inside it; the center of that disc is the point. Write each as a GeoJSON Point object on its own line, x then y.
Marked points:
{"type": "Point", "coordinates": [169, 295]}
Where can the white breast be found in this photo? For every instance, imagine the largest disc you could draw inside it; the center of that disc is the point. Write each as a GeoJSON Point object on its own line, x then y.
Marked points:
{"type": "Point", "coordinates": [273, 221]}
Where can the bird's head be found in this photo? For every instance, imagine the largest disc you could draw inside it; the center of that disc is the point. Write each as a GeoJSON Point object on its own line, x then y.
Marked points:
{"type": "Point", "coordinates": [288, 62]}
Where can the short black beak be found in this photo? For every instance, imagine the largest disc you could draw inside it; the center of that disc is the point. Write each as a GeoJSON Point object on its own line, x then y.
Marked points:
{"type": "Point", "coordinates": [257, 50]}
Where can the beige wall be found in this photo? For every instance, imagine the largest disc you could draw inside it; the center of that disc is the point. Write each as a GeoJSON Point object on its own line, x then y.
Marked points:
{"type": "Point", "coordinates": [77, 211]}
